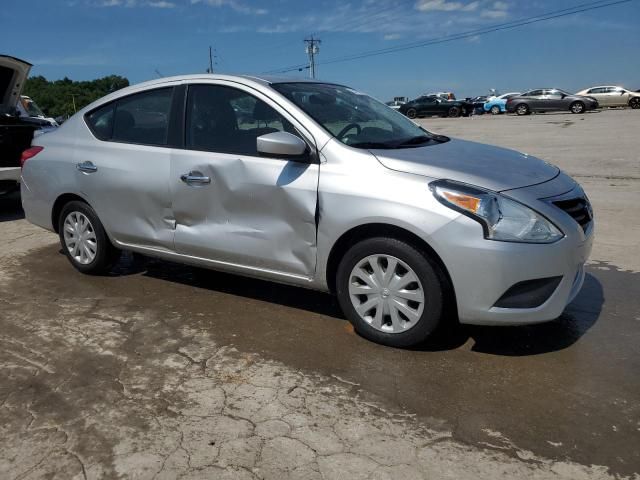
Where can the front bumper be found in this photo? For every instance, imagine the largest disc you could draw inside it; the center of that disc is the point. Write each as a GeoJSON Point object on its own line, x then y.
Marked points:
{"type": "Point", "coordinates": [483, 270]}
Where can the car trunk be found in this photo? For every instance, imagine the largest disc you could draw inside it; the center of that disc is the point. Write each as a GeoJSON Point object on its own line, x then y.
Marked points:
{"type": "Point", "coordinates": [15, 134]}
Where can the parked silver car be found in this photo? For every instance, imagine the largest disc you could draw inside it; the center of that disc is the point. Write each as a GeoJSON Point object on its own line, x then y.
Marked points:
{"type": "Point", "coordinates": [316, 185]}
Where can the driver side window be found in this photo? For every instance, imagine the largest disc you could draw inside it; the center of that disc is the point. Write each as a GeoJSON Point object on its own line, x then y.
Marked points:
{"type": "Point", "coordinates": [227, 120]}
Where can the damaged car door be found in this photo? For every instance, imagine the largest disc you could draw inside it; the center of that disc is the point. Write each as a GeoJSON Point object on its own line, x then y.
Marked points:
{"type": "Point", "coordinates": [234, 206]}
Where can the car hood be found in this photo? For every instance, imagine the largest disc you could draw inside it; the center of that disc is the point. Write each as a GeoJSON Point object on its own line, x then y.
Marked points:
{"type": "Point", "coordinates": [13, 74]}
{"type": "Point", "coordinates": [494, 168]}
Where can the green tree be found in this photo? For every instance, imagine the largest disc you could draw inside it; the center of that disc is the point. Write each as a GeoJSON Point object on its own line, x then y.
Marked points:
{"type": "Point", "coordinates": [56, 98]}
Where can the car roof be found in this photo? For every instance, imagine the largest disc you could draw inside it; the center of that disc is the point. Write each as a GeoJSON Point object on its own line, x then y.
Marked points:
{"type": "Point", "coordinates": [263, 80]}
{"type": "Point", "coordinates": [246, 80]}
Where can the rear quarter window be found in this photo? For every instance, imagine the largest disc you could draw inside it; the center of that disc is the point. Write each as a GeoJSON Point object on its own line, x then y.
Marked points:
{"type": "Point", "coordinates": [141, 118]}
{"type": "Point", "coordinates": [100, 121]}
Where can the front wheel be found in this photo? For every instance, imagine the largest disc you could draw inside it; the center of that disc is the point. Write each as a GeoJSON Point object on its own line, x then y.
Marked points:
{"type": "Point", "coordinates": [390, 292]}
{"type": "Point", "coordinates": [454, 112]}
{"type": "Point", "coordinates": [522, 109]}
{"type": "Point", "coordinates": [495, 110]}
{"type": "Point", "coordinates": [577, 107]}
{"type": "Point", "coordinates": [83, 239]}
{"type": "Point", "coordinates": [411, 113]}
{"type": "Point", "coordinates": [634, 103]}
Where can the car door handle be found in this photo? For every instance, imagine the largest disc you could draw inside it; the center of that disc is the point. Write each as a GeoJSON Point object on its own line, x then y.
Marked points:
{"type": "Point", "coordinates": [195, 178]}
{"type": "Point", "coordinates": [86, 167]}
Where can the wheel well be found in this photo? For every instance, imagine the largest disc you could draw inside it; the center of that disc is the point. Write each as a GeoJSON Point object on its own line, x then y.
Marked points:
{"type": "Point", "coordinates": [59, 204]}
{"type": "Point", "coordinates": [372, 230]}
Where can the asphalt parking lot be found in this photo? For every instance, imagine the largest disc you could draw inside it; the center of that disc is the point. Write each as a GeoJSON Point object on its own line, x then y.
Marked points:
{"type": "Point", "coordinates": [166, 371]}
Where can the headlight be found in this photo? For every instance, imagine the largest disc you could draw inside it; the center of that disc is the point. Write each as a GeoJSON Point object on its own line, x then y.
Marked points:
{"type": "Point", "coordinates": [501, 218]}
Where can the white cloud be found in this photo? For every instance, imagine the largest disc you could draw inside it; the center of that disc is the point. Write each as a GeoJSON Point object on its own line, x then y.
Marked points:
{"type": "Point", "coordinates": [496, 10]}
{"type": "Point", "coordinates": [235, 5]}
{"type": "Point", "coordinates": [161, 4]}
{"type": "Point", "coordinates": [445, 6]}
{"type": "Point", "coordinates": [392, 36]}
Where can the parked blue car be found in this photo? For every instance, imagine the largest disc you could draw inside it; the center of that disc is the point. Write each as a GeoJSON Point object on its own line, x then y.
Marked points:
{"type": "Point", "coordinates": [497, 105]}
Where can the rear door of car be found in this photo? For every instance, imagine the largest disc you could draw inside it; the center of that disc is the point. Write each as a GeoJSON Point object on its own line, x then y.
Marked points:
{"type": "Point", "coordinates": [123, 169]}
{"type": "Point", "coordinates": [535, 99]}
{"type": "Point", "coordinates": [599, 93]}
{"type": "Point", "coordinates": [233, 206]}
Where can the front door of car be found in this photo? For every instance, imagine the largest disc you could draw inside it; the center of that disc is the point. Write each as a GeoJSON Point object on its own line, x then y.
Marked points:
{"type": "Point", "coordinates": [124, 171]}
{"type": "Point", "coordinates": [555, 100]}
{"type": "Point", "coordinates": [232, 205]}
{"type": "Point", "coordinates": [617, 97]}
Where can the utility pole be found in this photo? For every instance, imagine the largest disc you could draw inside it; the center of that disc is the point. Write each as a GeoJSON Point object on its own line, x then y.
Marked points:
{"type": "Point", "coordinates": [210, 70]}
{"type": "Point", "coordinates": [312, 47]}
{"type": "Point", "coordinates": [73, 99]}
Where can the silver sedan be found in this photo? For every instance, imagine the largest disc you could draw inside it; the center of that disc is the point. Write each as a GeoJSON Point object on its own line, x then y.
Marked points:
{"type": "Point", "coordinates": [316, 185]}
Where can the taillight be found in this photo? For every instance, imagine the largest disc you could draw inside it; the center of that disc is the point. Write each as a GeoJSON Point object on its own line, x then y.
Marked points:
{"type": "Point", "coordinates": [29, 153]}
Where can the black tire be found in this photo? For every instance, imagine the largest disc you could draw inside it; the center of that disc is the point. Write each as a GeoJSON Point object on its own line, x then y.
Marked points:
{"type": "Point", "coordinates": [577, 107]}
{"type": "Point", "coordinates": [426, 270]}
{"type": "Point", "coordinates": [522, 109]}
{"type": "Point", "coordinates": [634, 103]}
{"type": "Point", "coordinates": [454, 112]}
{"type": "Point", "coordinates": [411, 113]}
{"type": "Point", "coordinates": [495, 110]}
{"type": "Point", "coordinates": [105, 253]}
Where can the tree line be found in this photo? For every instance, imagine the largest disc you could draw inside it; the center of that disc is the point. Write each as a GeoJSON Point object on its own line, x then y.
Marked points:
{"type": "Point", "coordinates": [57, 98]}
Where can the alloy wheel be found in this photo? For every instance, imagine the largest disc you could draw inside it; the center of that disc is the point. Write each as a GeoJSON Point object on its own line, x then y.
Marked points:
{"type": "Point", "coordinates": [577, 107]}
{"type": "Point", "coordinates": [386, 293]}
{"type": "Point", "coordinates": [80, 238]}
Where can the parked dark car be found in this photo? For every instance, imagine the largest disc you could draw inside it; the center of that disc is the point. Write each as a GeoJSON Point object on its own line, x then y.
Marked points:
{"type": "Point", "coordinates": [427, 106]}
{"type": "Point", "coordinates": [550, 100]}
{"type": "Point", "coordinates": [16, 132]}
{"type": "Point", "coordinates": [477, 104]}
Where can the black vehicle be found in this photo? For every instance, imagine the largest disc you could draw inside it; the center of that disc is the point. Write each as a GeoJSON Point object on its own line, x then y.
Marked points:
{"type": "Point", "coordinates": [477, 104]}
{"type": "Point", "coordinates": [549, 100]}
{"type": "Point", "coordinates": [16, 132]}
{"type": "Point", "coordinates": [428, 106]}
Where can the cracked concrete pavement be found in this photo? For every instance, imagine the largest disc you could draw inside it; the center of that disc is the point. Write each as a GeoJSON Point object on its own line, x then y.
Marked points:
{"type": "Point", "coordinates": [161, 371]}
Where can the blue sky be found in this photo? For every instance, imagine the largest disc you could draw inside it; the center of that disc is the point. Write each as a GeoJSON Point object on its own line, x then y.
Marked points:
{"type": "Point", "coordinates": [85, 39]}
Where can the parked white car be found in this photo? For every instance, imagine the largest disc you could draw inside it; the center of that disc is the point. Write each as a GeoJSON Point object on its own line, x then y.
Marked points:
{"type": "Point", "coordinates": [613, 96]}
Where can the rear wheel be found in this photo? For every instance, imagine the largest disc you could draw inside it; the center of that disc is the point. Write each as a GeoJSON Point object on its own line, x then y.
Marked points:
{"type": "Point", "coordinates": [83, 239]}
{"type": "Point", "coordinates": [495, 110]}
{"type": "Point", "coordinates": [634, 103]}
{"type": "Point", "coordinates": [522, 109]}
{"type": "Point", "coordinates": [390, 292]}
{"type": "Point", "coordinates": [411, 113]}
{"type": "Point", "coordinates": [454, 112]}
{"type": "Point", "coordinates": [577, 107]}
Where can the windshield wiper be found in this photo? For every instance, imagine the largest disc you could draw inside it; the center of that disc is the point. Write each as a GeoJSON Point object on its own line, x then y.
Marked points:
{"type": "Point", "coordinates": [371, 145]}
{"type": "Point", "coordinates": [417, 140]}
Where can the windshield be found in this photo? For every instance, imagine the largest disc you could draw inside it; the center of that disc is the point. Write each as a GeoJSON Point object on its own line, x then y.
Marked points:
{"type": "Point", "coordinates": [31, 107]}
{"type": "Point", "coordinates": [354, 118]}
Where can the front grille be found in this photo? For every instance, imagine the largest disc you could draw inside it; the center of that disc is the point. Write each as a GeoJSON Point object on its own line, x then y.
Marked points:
{"type": "Point", "coordinates": [579, 208]}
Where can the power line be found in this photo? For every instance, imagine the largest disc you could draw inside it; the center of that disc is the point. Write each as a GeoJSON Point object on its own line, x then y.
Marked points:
{"type": "Point", "coordinates": [473, 33]}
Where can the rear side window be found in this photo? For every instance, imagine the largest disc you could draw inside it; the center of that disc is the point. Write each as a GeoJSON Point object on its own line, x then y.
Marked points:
{"type": "Point", "coordinates": [101, 122]}
{"type": "Point", "coordinates": [142, 118]}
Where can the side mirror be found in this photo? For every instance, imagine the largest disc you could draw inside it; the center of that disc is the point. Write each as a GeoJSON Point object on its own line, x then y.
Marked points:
{"type": "Point", "coordinates": [281, 144]}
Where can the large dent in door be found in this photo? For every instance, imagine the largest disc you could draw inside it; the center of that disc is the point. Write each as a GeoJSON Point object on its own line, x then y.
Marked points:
{"type": "Point", "coordinates": [257, 212]}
